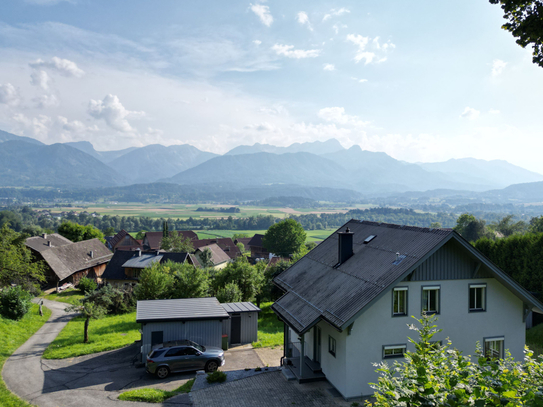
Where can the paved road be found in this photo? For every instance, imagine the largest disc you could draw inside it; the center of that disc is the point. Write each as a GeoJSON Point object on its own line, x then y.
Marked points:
{"type": "Point", "coordinates": [94, 380]}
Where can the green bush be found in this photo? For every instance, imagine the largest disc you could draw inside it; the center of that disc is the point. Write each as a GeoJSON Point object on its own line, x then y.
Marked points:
{"type": "Point", "coordinates": [86, 285]}
{"type": "Point", "coordinates": [14, 302]}
{"type": "Point", "coordinates": [116, 301]}
{"type": "Point", "coordinates": [229, 293]}
{"type": "Point", "coordinates": [216, 377]}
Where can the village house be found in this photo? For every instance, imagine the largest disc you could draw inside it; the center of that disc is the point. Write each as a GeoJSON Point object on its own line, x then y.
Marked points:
{"type": "Point", "coordinates": [68, 262]}
{"type": "Point", "coordinates": [256, 247]}
{"type": "Point", "coordinates": [225, 243]}
{"type": "Point", "coordinates": [348, 302]}
{"type": "Point", "coordinates": [126, 266]}
{"type": "Point", "coordinates": [123, 241]}
{"type": "Point", "coordinates": [219, 258]}
{"type": "Point", "coordinates": [152, 240]}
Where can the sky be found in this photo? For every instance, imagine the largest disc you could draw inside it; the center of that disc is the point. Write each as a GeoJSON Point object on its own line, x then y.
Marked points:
{"type": "Point", "coordinates": [422, 81]}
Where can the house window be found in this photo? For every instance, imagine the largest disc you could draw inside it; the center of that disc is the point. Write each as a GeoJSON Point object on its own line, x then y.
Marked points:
{"type": "Point", "coordinates": [494, 347]}
{"type": "Point", "coordinates": [393, 351]}
{"type": "Point", "coordinates": [430, 299]}
{"type": "Point", "coordinates": [399, 301]}
{"type": "Point", "coordinates": [477, 297]}
{"type": "Point", "coordinates": [332, 346]}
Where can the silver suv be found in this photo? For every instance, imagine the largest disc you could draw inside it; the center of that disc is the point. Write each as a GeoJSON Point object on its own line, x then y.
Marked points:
{"type": "Point", "coordinates": [183, 356]}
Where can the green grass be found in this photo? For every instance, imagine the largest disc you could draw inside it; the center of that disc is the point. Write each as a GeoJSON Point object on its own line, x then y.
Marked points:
{"type": "Point", "coordinates": [270, 329]}
{"type": "Point", "coordinates": [108, 333]}
{"type": "Point", "coordinates": [534, 339]}
{"type": "Point", "coordinates": [155, 395]}
{"type": "Point", "coordinates": [70, 296]}
{"type": "Point", "coordinates": [312, 235]}
{"type": "Point", "coordinates": [12, 335]}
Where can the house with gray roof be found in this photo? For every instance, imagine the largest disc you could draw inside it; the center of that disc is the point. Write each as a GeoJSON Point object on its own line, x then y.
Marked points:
{"type": "Point", "coordinates": [68, 262]}
{"type": "Point", "coordinates": [347, 303]}
{"type": "Point", "coordinates": [219, 257]}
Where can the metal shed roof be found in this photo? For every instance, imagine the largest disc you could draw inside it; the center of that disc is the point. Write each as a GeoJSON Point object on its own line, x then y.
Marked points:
{"type": "Point", "coordinates": [234, 307]}
{"type": "Point", "coordinates": [183, 309]}
{"type": "Point", "coordinates": [140, 262]}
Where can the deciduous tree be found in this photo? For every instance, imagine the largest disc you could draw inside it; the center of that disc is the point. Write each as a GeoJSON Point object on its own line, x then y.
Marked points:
{"type": "Point", "coordinates": [175, 242]}
{"type": "Point", "coordinates": [78, 233]}
{"type": "Point", "coordinates": [284, 238]}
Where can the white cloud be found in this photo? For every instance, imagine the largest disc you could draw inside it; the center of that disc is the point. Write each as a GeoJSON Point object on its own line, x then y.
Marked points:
{"type": "Point", "coordinates": [37, 126]}
{"type": "Point", "coordinates": [362, 80]}
{"type": "Point", "coordinates": [9, 95]}
{"type": "Point", "coordinates": [303, 19]}
{"type": "Point", "coordinates": [497, 67]}
{"type": "Point", "coordinates": [263, 12]}
{"type": "Point", "coordinates": [470, 113]}
{"type": "Point", "coordinates": [75, 126]}
{"type": "Point", "coordinates": [337, 115]}
{"type": "Point", "coordinates": [290, 52]}
{"type": "Point", "coordinates": [335, 13]}
{"type": "Point", "coordinates": [494, 111]}
{"type": "Point", "coordinates": [113, 112]}
{"type": "Point", "coordinates": [40, 78]}
{"type": "Point", "coordinates": [257, 42]}
{"type": "Point", "coordinates": [64, 67]}
{"type": "Point", "coordinates": [329, 67]}
{"type": "Point", "coordinates": [45, 101]}
{"type": "Point", "coordinates": [336, 27]}
{"type": "Point", "coordinates": [365, 54]}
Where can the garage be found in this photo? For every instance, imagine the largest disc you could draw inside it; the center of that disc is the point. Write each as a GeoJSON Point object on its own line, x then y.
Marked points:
{"type": "Point", "coordinates": [242, 327]}
{"type": "Point", "coordinates": [197, 319]}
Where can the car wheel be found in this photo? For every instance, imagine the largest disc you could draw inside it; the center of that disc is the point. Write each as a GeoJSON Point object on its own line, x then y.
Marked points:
{"type": "Point", "coordinates": [211, 366]}
{"type": "Point", "coordinates": [162, 372]}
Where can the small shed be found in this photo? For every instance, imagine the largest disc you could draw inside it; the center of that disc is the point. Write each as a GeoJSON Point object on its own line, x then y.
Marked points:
{"type": "Point", "coordinates": [242, 327]}
{"type": "Point", "coordinates": [197, 319]}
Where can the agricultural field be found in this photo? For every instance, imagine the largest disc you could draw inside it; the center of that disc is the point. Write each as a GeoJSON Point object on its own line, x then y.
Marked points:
{"type": "Point", "coordinates": [186, 211]}
{"type": "Point", "coordinates": [312, 235]}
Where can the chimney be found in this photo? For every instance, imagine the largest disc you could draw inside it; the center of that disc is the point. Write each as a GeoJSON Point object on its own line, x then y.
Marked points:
{"type": "Point", "coordinates": [345, 247]}
{"type": "Point", "coordinates": [157, 252]}
{"type": "Point", "coordinates": [91, 254]}
{"type": "Point", "coordinates": [49, 243]}
{"type": "Point", "coordinates": [139, 253]}
{"type": "Point", "coordinates": [44, 235]}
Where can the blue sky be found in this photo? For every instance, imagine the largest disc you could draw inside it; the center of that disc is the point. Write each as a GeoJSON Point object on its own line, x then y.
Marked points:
{"type": "Point", "coordinates": [421, 81]}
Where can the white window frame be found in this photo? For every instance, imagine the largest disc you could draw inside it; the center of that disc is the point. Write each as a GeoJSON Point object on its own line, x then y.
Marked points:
{"type": "Point", "coordinates": [490, 345]}
{"type": "Point", "coordinates": [332, 345]}
{"type": "Point", "coordinates": [398, 291]}
{"type": "Point", "coordinates": [437, 289]}
{"type": "Point", "coordinates": [483, 300]}
{"type": "Point", "coordinates": [400, 351]}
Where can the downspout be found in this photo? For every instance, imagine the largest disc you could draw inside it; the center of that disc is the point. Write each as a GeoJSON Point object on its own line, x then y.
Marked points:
{"type": "Point", "coordinates": [302, 356]}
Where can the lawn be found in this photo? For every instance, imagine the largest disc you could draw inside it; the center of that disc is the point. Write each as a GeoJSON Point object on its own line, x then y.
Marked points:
{"type": "Point", "coordinates": [12, 335]}
{"type": "Point", "coordinates": [155, 395]}
{"type": "Point", "coordinates": [270, 329]}
{"type": "Point", "coordinates": [70, 296]}
{"type": "Point", "coordinates": [534, 339]}
{"type": "Point", "coordinates": [108, 333]}
{"type": "Point", "coordinates": [312, 235]}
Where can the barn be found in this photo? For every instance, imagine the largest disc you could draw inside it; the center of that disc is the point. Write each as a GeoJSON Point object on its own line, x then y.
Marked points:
{"type": "Point", "coordinates": [202, 320]}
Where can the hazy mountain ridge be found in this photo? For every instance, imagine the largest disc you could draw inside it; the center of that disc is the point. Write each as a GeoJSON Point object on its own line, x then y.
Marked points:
{"type": "Point", "coordinates": [26, 164]}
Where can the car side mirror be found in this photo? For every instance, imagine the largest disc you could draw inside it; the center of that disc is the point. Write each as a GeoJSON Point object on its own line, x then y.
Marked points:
{"type": "Point", "coordinates": [198, 353]}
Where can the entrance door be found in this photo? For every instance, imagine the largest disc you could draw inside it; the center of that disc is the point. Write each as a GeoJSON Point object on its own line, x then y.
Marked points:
{"type": "Point", "coordinates": [317, 344]}
{"type": "Point", "coordinates": [235, 329]}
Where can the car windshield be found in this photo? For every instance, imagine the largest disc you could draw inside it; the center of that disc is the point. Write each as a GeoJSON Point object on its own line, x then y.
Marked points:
{"type": "Point", "coordinates": [199, 347]}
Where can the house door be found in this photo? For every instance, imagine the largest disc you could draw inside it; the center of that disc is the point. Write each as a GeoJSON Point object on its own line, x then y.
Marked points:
{"type": "Point", "coordinates": [317, 345]}
{"type": "Point", "coordinates": [235, 329]}
{"type": "Point", "coordinates": [157, 337]}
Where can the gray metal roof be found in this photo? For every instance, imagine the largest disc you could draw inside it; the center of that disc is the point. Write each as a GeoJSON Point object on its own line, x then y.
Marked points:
{"type": "Point", "coordinates": [318, 289]}
{"type": "Point", "coordinates": [180, 310]}
{"type": "Point", "coordinates": [140, 262]}
{"type": "Point", "coordinates": [234, 307]}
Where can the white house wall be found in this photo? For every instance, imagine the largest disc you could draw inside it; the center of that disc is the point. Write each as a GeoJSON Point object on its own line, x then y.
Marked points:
{"type": "Point", "coordinates": [376, 328]}
{"type": "Point", "coordinates": [205, 332]}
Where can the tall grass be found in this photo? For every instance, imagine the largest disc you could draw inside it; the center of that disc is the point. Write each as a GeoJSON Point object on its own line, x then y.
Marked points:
{"type": "Point", "coordinates": [270, 329]}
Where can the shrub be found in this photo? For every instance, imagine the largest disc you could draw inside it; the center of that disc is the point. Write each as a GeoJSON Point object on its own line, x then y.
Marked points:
{"type": "Point", "coordinates": [229, 293]}
{"type": "Point", "coordinates": [116, 301]}
{"type": "Point", "coordinates": [14, 302]}
{"type": "Point", "coordinates": [216, 377]}
{"type": "Point", "coordinates": [86, 285]}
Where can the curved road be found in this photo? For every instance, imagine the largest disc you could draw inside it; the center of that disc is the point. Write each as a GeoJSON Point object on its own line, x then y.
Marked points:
{"type": "Point", "coordinates": [94, 380]}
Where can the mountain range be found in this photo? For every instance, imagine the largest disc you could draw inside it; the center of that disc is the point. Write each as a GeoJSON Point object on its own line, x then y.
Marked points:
{"type": "Point", "coordinates": [28, 162]}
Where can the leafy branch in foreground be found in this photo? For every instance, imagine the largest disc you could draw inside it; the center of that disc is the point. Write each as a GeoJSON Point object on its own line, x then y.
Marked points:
{"type": "Point", "coordinates": [438, 375]}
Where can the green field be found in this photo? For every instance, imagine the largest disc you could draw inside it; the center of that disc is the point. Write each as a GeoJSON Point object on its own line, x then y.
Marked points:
{"type": "Point", "coordinates": [12, 335]}
{"type": "Point", "coordinates": [108, 333]}
{"type": "Point", "coordinates": [312, 235]}
{"type": "Point", "coordinates": [183, 211]}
